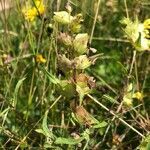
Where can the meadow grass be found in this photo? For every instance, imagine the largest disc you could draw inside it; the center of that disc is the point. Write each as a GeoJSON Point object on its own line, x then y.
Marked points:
{"type": "Point", "coordinates": [76, 83]}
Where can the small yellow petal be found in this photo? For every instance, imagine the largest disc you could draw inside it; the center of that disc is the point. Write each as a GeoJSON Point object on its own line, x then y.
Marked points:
{"type": "Point", "coordinates": [127, 100]}
{"type": "Point", "coordinates": [138, 95]}
{"type": "Point", "coordinates": [147, 24]}
{"type": "Point", "coordinates": [40, 7]}
{"type": "Point", "coordinates": [40, 59]}
{"type": "Point", "coordinates": [30, 14]}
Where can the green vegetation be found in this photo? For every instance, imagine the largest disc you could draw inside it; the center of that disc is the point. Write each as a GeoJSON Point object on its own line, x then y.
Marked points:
{"type": "Point", "coordinates": [75, 75]}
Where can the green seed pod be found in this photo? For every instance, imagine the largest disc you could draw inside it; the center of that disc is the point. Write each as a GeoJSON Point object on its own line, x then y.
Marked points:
{"type": "Point", "coordinates": [62, 17]}
{"type": "Point", "coordinates": [80, 43]}
{"type": "Point", "coordinates": [64, 63]}
{"type": "Point", "coordinates": [66, 88]}
{"type": "Point", "coordinates": [82, 62]}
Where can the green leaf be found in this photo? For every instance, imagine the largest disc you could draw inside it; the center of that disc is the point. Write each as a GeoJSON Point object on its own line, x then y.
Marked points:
{"type": "Point", "coordinates": [111, 99]}
{"type": "Point", "coordinates": [40, 131]}
{"type": "Point", "coordinates": [45, 128]}
{"type": "Point", "coordinates": [49, 146]}
{"type": "Point", "coordinates": [148, 146]}
{"type": "Point", "coordinates": [66, 89]}
{"type": "Point", "coordinates": [68, 141]}
{"type": "Point", "coordinates": [16, 91]}
{"type": "Point", "coordinates": [145, 144]}
{"type": "Point", "coordinates": [100, 125]}
{"type": "Point", "coordinates": [4, 112]}
{"type": "Point", "coordinates": [51, 77]}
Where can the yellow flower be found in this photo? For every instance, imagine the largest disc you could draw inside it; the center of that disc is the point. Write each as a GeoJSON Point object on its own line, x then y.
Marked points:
{"type": "Point", "coordinates": [31, 12]}
{"type": "Point", "coordinates": [138, 33]}
{"type": "Point", "coordinates": [147, 24]}
{"type": "Point", "coordinates": [40, 59]}
{"type": "Point", "coordinates": [75, 25]}
{"type": "Point", "coordinates": [127, 100]}
{"type": "Point", "coordinates": [147, 28]}
{"type": "Point", "coordinates": [138, 95]}
{"type": "Point", "coordinates": [40, 7]}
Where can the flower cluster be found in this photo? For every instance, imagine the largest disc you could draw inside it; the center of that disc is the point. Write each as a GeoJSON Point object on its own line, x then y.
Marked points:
{"type": "Point", "coordinates": [131, 94]}
{"type": "Point", "coordinates": [73, 56]}
{"type": "Point", "coordinates": [138, 33]}
{"type": "Point", "coordinates": [147, 28]}
{"type": "Point", "coordinates": [30, 12]}
{"type": "Point", "coordinates": [65, 18]}
{"type": "Point", "coordinates": [39, 59]}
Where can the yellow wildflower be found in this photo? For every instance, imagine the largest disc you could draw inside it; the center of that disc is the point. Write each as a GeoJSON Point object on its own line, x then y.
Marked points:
{"type": "Point", "coordinates": [138, 95]}
{"type": "Point", "coordinates": [147, 24]}
{"type": "Point", "coordinates": [147, 28]}
{"type": "Point", "coordinates": [31, 12]}
{"type": "Point", "coordinates": [138, 33]}
{"type": "Point", "coordinates": [40, 7]}
{"type": "Point", "coordinates": [75, 25]}
{"type": "Point", "coordinates": [40, 59]}
{"type": "Point", "coordinates": [127, 100]}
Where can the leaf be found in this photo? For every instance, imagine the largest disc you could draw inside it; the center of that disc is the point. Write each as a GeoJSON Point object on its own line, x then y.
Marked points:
{"type": "Point", "coordinates": [16, 91]}
{"type": "Point", "coordinates": [4, 112]}
{"type": "Point", "coordinates": [111, 99]}
{"type": "Point", "coordinates": [100, 125]}
{"type": "Point", "coordinates": [68, 141]}
{"type": "Point", "coordinates": [84, 117]}
{"type": "Point", "coordinates": [145, 144]}
{"type": "Point", "coordinates": [66, 89]}
{"type": "Point", "coordinates": [45, 128]}
{"type": "Point", "coordinates": [51, 77]}
{"type": "Point", "coordinates": [40, 131]}
{"type": "Point", "coordinates": [148, 146]}
{"type": "Point", "coordinates": [49, 146]}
